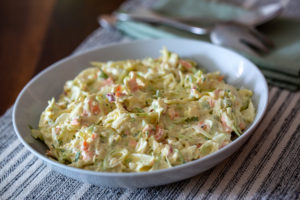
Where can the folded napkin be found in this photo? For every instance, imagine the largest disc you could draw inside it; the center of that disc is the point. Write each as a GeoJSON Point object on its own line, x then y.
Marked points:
{"type": "Point", "coordinates": [281, 67]}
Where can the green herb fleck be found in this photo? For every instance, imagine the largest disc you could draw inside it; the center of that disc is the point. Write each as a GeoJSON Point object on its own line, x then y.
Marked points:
{"type": "Point", "coordinates": [60, 142]}
{"type": "Point", "coordinates": [132, 119]}
{"type": "Point", "coordinates": [30, 127]}
{"type": "Point", "coordinates": [228, 103]}
{"type": "Point", "coordinates": [103, 75]}
{"type": "Point", "coordinates": [91, 128]}
{"type": "Point", "coordinates": [158, 93]}
{"type": "Point", "coordinates": [127, 160]}
{"type": "Point", "coordinates": [139, 110]}
{"type": "Point", "coordinates": [191, 119]}
{"type": "Point", "coordinates": [77, 156]}
{"type": "Point", "coordinates": [136, 134]}
{"type": "Point", "coordinates": [205, 104]}
{"type": "Point", "coordinates": [181, 158]}
{"type": "Point", "coordinates": [102, 139]}
{"type": "Point", "coordinates": [147, 103]}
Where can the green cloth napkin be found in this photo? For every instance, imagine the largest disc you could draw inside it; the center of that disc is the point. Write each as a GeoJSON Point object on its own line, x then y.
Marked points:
{"type": "Point", "coordinates": [281, 67]}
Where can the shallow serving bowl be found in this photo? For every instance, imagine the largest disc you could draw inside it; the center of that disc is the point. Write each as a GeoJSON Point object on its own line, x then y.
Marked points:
{"type": "Point", "coordinates": [34, 97]}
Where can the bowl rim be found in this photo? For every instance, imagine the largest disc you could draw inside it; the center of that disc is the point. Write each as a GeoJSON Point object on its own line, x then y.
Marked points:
{"type": "Point", "coordinates": [135, 174]}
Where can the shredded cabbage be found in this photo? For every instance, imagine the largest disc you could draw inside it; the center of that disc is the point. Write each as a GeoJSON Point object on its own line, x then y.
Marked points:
{"type": "Point", "coordinates": [143, 115]}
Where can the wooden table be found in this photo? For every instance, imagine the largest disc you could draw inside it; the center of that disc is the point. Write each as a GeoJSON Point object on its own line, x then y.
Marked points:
{"type": "Point", "coordinates": [35, 34]}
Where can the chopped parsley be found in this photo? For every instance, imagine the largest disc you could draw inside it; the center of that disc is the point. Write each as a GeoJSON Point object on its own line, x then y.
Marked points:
{"type": "Point", "coordinates": [157, 93]}
{"type": "Point", "coordinates": [139, 110]}
{"type": "Point", "coordinates": [205, 104]}
{"type": "Point", "coordinates": [102, 75]}
{"type": "Point", "coordinates": [77, 156]}
{"type": "Point", "coordinates": [191, 119]}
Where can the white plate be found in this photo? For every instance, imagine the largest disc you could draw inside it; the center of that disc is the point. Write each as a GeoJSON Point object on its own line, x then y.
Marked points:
{"type": "Point", "coordinates": [34, 97]}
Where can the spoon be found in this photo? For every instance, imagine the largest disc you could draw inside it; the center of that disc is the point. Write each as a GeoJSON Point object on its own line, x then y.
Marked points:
{"type": "Point", "coordinates": [230, 33]}
{"type": "Point", "coordinates": [263, 14]}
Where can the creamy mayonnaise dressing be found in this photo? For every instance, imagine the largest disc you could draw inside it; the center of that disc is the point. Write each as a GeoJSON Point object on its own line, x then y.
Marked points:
{"type": "Point", "coordinates": [143, 115]}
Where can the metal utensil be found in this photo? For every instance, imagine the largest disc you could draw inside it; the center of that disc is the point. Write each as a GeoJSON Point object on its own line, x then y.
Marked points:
{"type": "Point", "coordinates": [230, 34]}
{"type": "Point", "coordinates": [263, 14]}
{"type": "Point", "coordinates": [254, 17]}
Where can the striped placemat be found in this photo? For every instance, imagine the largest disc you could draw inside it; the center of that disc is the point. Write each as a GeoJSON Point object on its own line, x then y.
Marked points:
{"type": "Point", "coordinates": [266, 167]}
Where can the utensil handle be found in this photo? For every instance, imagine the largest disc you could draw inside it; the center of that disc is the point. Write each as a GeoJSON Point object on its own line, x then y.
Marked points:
{"type": "Point", "coordinates": [157, 19]}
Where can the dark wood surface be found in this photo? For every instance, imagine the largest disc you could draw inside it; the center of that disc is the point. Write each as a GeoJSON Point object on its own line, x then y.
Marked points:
{"type": "Point", "coordinates": [37, 33]}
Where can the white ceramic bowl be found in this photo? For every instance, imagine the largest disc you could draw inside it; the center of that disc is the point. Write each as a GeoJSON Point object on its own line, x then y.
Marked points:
{"type": "Point", "coordinates": [33, 99]}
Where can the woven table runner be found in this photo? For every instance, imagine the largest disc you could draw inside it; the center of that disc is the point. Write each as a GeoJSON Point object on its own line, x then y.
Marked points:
{"type": "Point", "coordinates": [266, 167]}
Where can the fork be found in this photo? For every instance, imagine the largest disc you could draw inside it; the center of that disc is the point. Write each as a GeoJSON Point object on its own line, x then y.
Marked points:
{"type": "Point", "coordinates": [230, 34]}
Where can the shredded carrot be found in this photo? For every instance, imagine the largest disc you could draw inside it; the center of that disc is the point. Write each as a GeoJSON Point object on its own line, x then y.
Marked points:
{"type": "Point", "coordinates": [211, 103]}
{"type": "Point", "coordinates": [217, 92]}
{"type": "Point", "coordinates": [85, 145]}
{"type": "Point", "coordinates": [186, 64]}
{"type": "Point", "coordinates": [203, 125]}
{"type": "Point", "coordinates": [94, 136]}
{"type": "Point", "coordinates": [133, 85]}
{"type": "Point", "coordinates": [119, 91]}
{"type": "Point", "coordinates": [150, 129]}
{"type": "Point", "coordinates": [242, 125]}
{"type": "Point", "coordinates": [96, 110]}
{"type": "Point", "coordinates": [225, 126]}
{"type": "Point", "coordinates": [132, 143]}
{"type": "Point", "coordinates": [158, 133]}
{"type": "Point", "coordinates": [108, 81]}
{"type": "Point", "coordinates": [119, 88]}
{"type": "Point", "coordinates": [221, 78]}
{"type": "Point", "coordinates": [119, 94]}
{"type": "Point", "coordinates": [172, 113]}
{"type": "Point", "coordinates": [94, 107]}
{"type": "Point", "coordinates": [170, 150]}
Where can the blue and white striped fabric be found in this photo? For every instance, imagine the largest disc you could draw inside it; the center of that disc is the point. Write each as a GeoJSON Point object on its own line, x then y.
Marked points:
{"type": "Point", "coordinates": [266, 167]}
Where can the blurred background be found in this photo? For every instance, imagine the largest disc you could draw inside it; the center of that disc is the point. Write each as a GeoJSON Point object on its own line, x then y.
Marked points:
{"type": "Point", "coordinates": [37, 33]}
